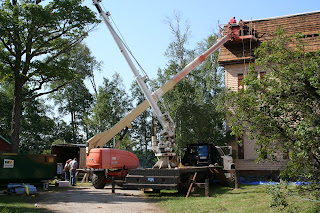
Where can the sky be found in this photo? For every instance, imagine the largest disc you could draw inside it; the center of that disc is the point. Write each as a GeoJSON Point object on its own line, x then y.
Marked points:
{"type": "Point", "coordinates": [141, 23]}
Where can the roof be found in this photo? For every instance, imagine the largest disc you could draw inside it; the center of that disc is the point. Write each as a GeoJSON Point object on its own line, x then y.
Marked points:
{"type": "Point", "coordinates": [286, 16]}
{"type": "Point", "coordinates": [69, 145]}
{"type": "Point", "coordinates": [5, 140]}
{"type": "Point", "coordinates": [308, 24]}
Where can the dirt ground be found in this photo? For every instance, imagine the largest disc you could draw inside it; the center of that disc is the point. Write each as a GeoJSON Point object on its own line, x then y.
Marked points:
{"type": "Point", "coordinates": [89, 199]}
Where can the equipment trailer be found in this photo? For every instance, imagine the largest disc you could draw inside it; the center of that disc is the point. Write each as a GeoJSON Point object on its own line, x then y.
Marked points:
{"type": "Point", "coordinates": [201, 161]}
{"type": "Point", "coordinates": [173, 179]}
{"type": "Point", "coordinates": [165, 173]}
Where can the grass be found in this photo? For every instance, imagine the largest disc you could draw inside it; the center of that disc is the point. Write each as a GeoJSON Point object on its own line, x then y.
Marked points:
{"type": "Point", "coordinates": [223, 199]}
{"type": "Point", "coordinates": [24, 203]}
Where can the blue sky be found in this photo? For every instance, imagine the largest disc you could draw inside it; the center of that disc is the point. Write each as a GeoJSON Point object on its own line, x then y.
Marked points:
{"type": "Point", "coordinates": [142, 25]}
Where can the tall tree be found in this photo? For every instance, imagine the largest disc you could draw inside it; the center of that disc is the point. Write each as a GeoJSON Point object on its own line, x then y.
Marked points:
{"type": "Point", "coordinates": [112, 104]}
{"type": "Point", "coordinates": [34, 43]}
{"type": "Point", "coordinates": [37, 129]}
{"type": "Point", "coordinates": [281, 110]}
{"type": "Point", "coordinates": [209, 83]}
{"type": "Point", "coordinates": [75, 98]}
{"type": "Point", "coordinates": [177, 50]}
{"type": "Point", "coordinates": [193, 103]}
{"type": "Point", "coordinates": [6, 102]}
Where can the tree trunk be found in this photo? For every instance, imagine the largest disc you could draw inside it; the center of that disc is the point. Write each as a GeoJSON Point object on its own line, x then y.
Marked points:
{"type": "Point", "coordinates": [73, 127]}
{"type": "Point", "coordinates": [16, 117]}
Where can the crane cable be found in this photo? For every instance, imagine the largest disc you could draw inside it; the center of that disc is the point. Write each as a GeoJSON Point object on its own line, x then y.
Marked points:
{"type": "Point", "coordinates": [134, 58]}
{"type": "Point", "coordinates": [243, 56]}
{"type": "Point", "coordinates": [250, 48]}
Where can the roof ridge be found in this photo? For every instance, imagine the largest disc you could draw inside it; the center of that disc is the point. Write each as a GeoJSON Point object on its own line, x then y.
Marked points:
{"type": "Point", "coordinates": [285, 16]}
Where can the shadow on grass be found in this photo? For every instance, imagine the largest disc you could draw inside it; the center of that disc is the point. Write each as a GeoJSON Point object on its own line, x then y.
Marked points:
{"type": "Point", "coordinates": [214, 190]}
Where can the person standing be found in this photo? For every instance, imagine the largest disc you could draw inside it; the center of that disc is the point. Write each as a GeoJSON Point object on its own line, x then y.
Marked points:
{"type": "Point", "coordinates": [73, 168]}
{"type": "Point", "coordinates": [66, 170]}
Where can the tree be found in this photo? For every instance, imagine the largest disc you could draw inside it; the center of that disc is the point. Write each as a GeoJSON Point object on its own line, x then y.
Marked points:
{"type": "Point", "coordinates": [6, 102]}
{"type": "Point", "coordinates": [37, 129]}
{"type": "Point", "coordinates": [112, 104]}
{"type": "Point", "coordinates": [177, 50]}
{"type": "Point", "coordinates": [193, 103]}
{"type": "Point", "coordinates": [209, 88]}
{"type": "Point", "coordinates": [282, 109]}
{"type": "Point", "coordinates": [75, 98]}
{"type": "Point", "coordinates": [62, 132]}
{"type": "Point", "coordinates": [35, 40]}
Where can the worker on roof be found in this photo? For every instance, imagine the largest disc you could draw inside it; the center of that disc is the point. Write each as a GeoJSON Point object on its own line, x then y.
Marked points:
{"type": "Point", "coordinates": [240, 23]}
{"type": "Point", "coordinates": [242, 27]}
{"type": "Point", "coordinates": [233, 20]}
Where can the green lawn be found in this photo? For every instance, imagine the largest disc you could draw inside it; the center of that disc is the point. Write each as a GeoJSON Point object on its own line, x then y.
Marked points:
{"type": "Point", "coordinates": [247, 199]}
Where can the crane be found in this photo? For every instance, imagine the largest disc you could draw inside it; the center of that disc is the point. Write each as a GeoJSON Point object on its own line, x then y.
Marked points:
{"type": "Point", "coordinates": [163, 149]}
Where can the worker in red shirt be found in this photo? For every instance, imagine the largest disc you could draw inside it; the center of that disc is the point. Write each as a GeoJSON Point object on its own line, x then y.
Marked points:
{"type": "Point", "coordinates": [233, 20]}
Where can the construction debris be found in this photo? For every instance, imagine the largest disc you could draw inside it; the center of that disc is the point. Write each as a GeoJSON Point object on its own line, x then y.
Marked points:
{"type": "Point", "coordinates": [21, 189]}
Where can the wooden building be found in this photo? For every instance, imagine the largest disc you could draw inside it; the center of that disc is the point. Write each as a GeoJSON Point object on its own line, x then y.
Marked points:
{"type": "Point", "coordinates": [4, 145]}
{"type": "Point", "coordinates": [236, 58]}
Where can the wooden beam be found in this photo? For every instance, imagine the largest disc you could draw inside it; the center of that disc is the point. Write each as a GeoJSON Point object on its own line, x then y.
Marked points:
{"type": "Point", "coordinates": [191, 184]}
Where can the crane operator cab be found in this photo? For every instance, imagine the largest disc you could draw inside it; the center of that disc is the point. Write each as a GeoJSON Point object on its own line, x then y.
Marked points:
{"type": "Point", "coordinates": [201, 155]}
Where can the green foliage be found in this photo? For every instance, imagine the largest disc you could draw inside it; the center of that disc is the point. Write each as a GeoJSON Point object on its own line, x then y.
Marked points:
{"type": "Point", "coordinates": [58, 141]}
{"type": "Point", "coordinates": [278, 196]}
{"type": "Point", "coordinates": [6, 102]}
{"type": "Point", "coordinates": [281, 110]}
{"type": "Point", "coordinates": [126, 143]}
{"type": "Point", "coordinates": [37, 129]}
{"type": "Point", "coordinates": [43, 33]}
{"type": "Point", "coordinates": [63, 132]}
{"type": "Point", "coordinates": [196, 102]}
{"type": "Point", "coordinates": [75, 100]}
{"type": "Point", "coordinates": [35, 44]}
{"type": "Point", "coordinates": [112, 104]}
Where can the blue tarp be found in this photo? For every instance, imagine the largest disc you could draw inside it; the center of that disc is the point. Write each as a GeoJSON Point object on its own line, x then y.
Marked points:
{"type": "Point", "coordinates": [242, 180]}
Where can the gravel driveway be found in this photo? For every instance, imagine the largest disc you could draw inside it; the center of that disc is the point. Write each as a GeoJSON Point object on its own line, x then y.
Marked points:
{"type": "Point", "coordinates": [89, 199]}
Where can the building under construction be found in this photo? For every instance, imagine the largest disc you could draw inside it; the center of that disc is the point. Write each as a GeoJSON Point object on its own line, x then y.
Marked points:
{"type": "Point", "coordinates": [236, 59]}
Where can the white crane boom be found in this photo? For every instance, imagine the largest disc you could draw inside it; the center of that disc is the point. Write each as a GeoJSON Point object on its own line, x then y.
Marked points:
{"type": "Point", "coordinates": [163, 149]}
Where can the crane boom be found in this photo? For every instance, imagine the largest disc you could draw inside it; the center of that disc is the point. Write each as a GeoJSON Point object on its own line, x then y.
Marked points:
{"type": "Point", "coordinates": [102, 138]}
{"type": "Point", "coordinates": [163, 149]}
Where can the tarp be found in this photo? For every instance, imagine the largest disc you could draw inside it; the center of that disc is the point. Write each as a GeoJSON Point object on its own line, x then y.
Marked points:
{"type": "Point", "coordinates": [242, 180]}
